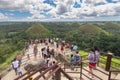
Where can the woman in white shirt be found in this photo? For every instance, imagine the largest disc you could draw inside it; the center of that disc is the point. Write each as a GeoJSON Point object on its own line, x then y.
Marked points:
{"type": "Point", "coordinates": [15, 65]}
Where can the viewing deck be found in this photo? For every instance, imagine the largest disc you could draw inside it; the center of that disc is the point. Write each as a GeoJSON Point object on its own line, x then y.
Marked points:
{"type": "Point", "coordinates": [100, 73]}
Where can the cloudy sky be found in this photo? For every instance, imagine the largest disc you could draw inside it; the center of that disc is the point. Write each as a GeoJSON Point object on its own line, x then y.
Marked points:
{"type": "Point", "coordinates": [59, 10]}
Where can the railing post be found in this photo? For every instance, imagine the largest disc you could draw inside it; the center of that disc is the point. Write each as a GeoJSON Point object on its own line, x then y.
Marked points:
{"type": "Point", "coordinates": [81, 71]}
{"type": "Point", "coordinates": [58, 75]}
{"type": "Point", "coordinates": [109, 77]}
{"type": "Point", "coordinates": [108, 62]}
{"type": "Point", "coordinates": [81, 65]}
{"type": "Point", "coordinates": [98, 62]}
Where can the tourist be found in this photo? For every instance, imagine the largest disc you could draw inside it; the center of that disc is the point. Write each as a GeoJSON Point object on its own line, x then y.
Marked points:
{"type": "Point", "coordinates": [15, 65]}
{"type": "Point", "coordinates": [19, 58]}
{"type": "Point", "coordinates": [35, 51]}
{"type": "Point", "coordinates": [72, 61]}
{"type": "Point", "coordinates": [75, 48]}
{"type": "Point", "coordinates": [45, 53]}
{"type": "Point", "coordinates": [97, 54]}
{"type": "Point", "coordinates": [28, 55]}
{"type": "Point", "coordinates": [76, 59]}
{"type": "Point", "coordinates": [71, 47]}
{"type": "Point", "coordinates": [27, 45]}
{"type": "Point", "coordinates": [92, 61]}
{"type": "Point", "coordinates": [48, 50]}
{"type": "Point", "coordinates": [57, 45]}
{"type": "Point", "coordinates": [67, 45]}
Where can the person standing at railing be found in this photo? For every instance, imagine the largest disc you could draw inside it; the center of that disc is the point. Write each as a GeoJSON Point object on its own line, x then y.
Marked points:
{"type": "Point", "coordinates": [76, 59]}
{"type": "Point", "coordinates": [75, 47]}
{"type": "Point", "coordinates": [92, 61]}
{"type": "Point", "coordinates": [97, 52]}
{"type": "Point", "coordinates": [71, 47]}
{"type": "Point", "coordinates": [57, 45]}
{"type": "Point", "coordinates": [27, 45]}
{"type": "Point", "coordinates": [72, 61]}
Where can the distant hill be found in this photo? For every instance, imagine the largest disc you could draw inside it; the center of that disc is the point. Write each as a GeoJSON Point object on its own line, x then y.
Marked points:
{"type": "Point", "coordinates": [37, 30]}
{"type": "Point", "coordinates": [88, 30]}
{"type": "Point", "coordinates": [111, 27]}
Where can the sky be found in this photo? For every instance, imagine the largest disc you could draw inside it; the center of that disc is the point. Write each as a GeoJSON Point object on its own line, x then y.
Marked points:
{"type": "Point", "coordinates": [59, 10]}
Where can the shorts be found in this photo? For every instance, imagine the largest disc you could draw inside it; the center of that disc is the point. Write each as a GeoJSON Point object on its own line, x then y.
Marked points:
{"type": "Point", "coordinates": [19, 73]}
{"type": "Point", "coordinates": [92, 65]}
{"type": "Point", "coordinates": [15, 69]}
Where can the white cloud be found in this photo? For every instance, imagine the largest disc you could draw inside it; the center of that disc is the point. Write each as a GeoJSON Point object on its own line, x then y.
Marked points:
{"type": "Point", "coordinates": [36, 16]}
{"type": "Point", "coordinates": [2, 16]}
{"type": "Point", "coordinates": [99, 1]}
{"type": "Point", "coordinates": [88, 9]}
{"type": "Point", "coordinates": [64, 8]}
{"type": "Point", "coordinates": [61, 8]}
{"type": "Point", "coordinates": [35, 7]}
{"type": "Point", "coordinates": [52, 12]}
{"type": "Point", "coordinates": [111, 9]}
{"type": "Point", "coordinates": [24, 5]}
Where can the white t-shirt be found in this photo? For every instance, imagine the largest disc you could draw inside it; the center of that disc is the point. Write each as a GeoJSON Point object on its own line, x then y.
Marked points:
{"type": "Point", "coordinates": [15, 64]}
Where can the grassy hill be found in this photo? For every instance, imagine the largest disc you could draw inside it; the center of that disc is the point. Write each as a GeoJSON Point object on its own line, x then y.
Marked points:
{"type": "Point", "coordinates": [87, 30]}
{"type": "Point", "coordinates": [36, 30]}
{"type": "Point", "coordinates": [111, 27]}
{"type": "Point", "coordinates": [90, 29]}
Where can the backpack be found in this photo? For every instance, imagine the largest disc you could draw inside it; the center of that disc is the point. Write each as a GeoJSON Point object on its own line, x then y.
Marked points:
{"type": "Point", "coordinates": [77, 58]}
